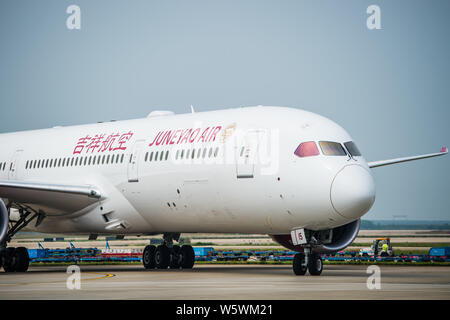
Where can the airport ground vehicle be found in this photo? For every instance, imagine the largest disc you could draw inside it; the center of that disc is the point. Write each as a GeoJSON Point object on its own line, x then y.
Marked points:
{"type": "Point", "coordinates": [380, 247]}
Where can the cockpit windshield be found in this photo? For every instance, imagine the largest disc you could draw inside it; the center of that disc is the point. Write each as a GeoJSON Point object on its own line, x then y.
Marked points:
{"type": "Point", "coordinates": [307, 149]}
{"type": "Point", "coordinates": [332, 148]}
{"type": "Point", "coordinates": [352, 149]}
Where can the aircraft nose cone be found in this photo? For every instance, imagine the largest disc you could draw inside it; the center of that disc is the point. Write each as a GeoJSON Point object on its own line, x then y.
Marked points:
{"type": "Point", "coordinates": [353, 192]}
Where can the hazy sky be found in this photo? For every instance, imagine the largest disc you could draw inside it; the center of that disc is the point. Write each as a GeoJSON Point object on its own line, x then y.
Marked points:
{"type": "Point", "coordinates": [389, 88]}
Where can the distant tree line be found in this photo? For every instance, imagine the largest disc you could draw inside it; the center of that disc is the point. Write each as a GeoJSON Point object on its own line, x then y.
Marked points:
{"type": "Point", "coordinates": [403, 225]}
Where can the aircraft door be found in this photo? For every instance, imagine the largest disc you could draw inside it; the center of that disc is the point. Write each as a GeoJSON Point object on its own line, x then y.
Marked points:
{"type": "Point", "coordinates": [133, 164]}
{"type": "Point", "coordinates": [246, 155]}
{"type": "Point", "coordinates": [14, 165]}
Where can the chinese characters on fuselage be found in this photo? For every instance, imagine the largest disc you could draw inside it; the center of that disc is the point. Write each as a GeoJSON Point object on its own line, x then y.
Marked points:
{"type": "Point", "coordinates": [103, 143]}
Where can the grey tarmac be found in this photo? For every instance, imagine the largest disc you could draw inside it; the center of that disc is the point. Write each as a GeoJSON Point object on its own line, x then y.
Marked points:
{"type": "Point", "coordinates": [227, 282]}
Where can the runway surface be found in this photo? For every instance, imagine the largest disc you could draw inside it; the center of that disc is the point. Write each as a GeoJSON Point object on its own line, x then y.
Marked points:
{"type": "Point", "coordinates": [234, 282]}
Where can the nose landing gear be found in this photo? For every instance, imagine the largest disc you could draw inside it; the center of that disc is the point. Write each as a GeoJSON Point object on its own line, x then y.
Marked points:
{"type": "Point", "coordinates": [307, 261]}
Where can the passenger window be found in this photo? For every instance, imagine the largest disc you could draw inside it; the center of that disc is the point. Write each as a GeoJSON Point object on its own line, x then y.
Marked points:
{"type": "Point", "coordinates": [162, 155]}
{"type": "Point", "coordinates": [156, 156]}
{"type": "Point", "coordinates": [332, 148]}
{"type": "Point", "coordinates": [167, 155]}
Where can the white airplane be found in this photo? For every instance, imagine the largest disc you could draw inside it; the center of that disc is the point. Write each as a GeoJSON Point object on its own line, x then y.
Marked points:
{"type": "Point", "coordinates": [285, 172]}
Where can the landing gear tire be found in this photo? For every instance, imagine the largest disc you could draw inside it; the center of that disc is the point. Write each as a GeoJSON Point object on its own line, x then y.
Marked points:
{"type": "Point", "coordinates": [9, 260]}
{"type": "Point", "coordinates": [22, 259]}
{"type": "Point", "coordinates": [162, 257]}
{"type": "Point", "coordinates": [315, 265]}
{"type": "Point", "coordinates": [298, 265]}
{"type": "Point", "coordinates": [175, 258]}
{"type": "Point", "coordinates": [148, 257]}
{"type": "Point", "coordinates": [187, 257]}
{"type": "Point", "coordinates": [16, 260]}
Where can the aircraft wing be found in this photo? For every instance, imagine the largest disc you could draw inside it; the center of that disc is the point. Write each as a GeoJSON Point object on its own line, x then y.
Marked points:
{"type": "Point", "coordinates": [381, 163]}
{"type": "Point", "coordinates": [54, 199]}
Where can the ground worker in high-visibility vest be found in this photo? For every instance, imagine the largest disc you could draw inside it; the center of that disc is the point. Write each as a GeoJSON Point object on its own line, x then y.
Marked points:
{"type": "Point", "coordinates": [385, 248]}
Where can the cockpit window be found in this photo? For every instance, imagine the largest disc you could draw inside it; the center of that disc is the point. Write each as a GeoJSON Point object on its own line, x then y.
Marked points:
{"type": "Point", "coordinates": [352, 149]}
{"type": "Point", "coordinates": [307, 149]}
{"type": "Point", "coordinates": [332, 148]}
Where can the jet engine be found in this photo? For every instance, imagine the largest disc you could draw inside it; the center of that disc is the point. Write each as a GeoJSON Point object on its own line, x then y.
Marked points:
{"type": "Point", "coordinates": [4, 220]}
{"type": "Point", "coordinates": [323, 241]}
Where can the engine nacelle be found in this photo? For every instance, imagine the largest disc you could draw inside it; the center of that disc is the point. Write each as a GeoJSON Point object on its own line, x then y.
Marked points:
{"type": "Point", "coordinates": [4, 220]}
{"type": "Point", "coordinates": [324, 241]}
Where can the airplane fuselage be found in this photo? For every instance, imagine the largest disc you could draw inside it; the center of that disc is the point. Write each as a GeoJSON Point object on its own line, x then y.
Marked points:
{"type": "Point", "coordinates": [230, 171]}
